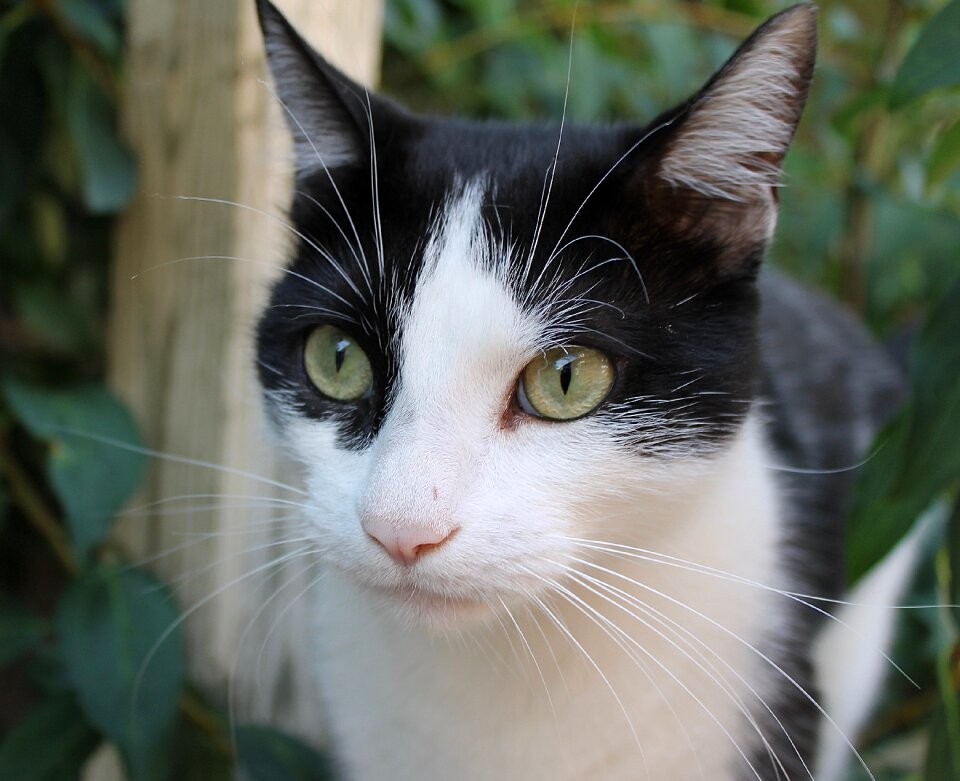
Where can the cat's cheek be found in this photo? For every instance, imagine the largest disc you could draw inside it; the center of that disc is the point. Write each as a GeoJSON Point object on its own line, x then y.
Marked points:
{"type": "Point", "coordinates": [333, 477]}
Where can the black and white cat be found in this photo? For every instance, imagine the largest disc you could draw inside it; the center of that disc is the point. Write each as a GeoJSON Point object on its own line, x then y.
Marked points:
{"type": "Point", "coordinates": [568, 456]}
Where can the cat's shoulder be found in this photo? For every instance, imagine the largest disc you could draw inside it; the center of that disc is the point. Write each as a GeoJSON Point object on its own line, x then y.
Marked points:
{"type": "Point", "coordinates": [829, 383]}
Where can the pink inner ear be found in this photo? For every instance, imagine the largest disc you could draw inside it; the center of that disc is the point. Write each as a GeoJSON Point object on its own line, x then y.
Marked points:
{"type": "Point", "coordinates": [732, 142]}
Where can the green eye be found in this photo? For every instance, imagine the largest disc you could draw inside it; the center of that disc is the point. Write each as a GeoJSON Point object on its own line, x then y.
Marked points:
{"type": "Point", "coordinates": [336, 365]}
{"type": "Point", "coordinates": [565, 383]}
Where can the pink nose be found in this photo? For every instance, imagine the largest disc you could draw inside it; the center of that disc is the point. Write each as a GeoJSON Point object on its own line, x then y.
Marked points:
{"type": "Point", "coordinates": [406, 543]}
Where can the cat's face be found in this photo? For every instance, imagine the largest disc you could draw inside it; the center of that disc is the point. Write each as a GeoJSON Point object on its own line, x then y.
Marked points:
{"type": "Point", "coordinates": [495, 340]}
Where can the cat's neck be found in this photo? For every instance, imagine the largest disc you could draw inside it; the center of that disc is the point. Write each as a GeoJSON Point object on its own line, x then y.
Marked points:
{"type": "Point", "coordinates": [615, 667]}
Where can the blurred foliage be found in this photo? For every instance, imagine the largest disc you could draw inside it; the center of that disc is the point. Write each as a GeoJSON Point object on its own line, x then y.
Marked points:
{"type": "Point", "coordinates": [90, 648]}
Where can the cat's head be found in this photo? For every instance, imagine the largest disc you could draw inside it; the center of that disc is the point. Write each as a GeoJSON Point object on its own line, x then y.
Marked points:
{"type": "Point", "coordinates": [495, 339]}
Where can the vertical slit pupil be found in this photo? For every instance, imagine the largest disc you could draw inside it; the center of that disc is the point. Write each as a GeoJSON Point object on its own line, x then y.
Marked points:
{"type": "Point", "coordinates": [341, 354]}
{"type": "Point", "coordinates": [566, 374]}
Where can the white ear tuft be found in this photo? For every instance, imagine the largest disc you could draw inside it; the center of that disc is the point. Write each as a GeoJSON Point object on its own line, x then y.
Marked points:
{"type": "Point", "coordinates": [733, 138]}
{"type": "Point", "coordinates": [312, 95]}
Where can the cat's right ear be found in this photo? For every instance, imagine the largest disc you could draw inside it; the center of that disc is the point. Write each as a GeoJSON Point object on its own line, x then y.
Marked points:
{"type": "Point", "coordinates": [325, 111]}
{"type": "Point", "coordinates": [715, 165]}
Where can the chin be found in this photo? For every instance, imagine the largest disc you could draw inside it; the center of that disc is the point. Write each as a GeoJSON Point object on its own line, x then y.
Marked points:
{"type": "Point", "coordinates": [435, 611]}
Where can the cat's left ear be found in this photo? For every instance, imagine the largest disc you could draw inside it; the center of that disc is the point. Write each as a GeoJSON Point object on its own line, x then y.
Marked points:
{"type": "Point", "coordinates": [717, 165]}
{"type": "Point", "coordinates": [327, 113]}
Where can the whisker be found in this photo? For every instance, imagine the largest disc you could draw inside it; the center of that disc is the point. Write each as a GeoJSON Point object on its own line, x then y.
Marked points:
{"type": "Point", "coordinates": [610, 170]}
{"type": "Point", "coordinates": [200, 537]}
{"type": "Point", "coordinates": [730, 633]}
{"type": "Point", "coordinates": [173, 458]}
{"type": "Point", "coordinates": [533, 656]}
{"type": "Point", "coordinates": [596, 616]}
{"type": "Point", "coordinates": [240, 259]}
{"type": "Point", "coordinates": [323, 164]}
{"type": "Point", "coordinates": [569, 635]}
{"type": "Point", "coordinates": [276, 622]}
{"type": "Point", "coordinates": [541, 218]}
{"type": "Point", "coordinates": [211, 565]}
{"type": "Point", "coordinates": [231, 677]}
{"type": "Point", "coordinates": [722, 682]}
{"type": "Point", "coordinates": [184, 615]}
{"type": "Point", "coordinates": [806, 600]}
{"type": "Point", "coordinates": [286, 226]}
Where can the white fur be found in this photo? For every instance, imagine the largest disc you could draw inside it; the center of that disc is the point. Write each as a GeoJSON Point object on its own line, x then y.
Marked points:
{"type": "Point", "coordinates": [453, 669]}
{"type": "Point", "coordinates": [849, 654]}
{"type": "Point", "coordinates": [731, 144]}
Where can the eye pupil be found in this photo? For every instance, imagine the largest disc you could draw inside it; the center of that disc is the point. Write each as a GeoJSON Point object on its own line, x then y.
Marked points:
{"type": "Point", "coordinates": [566, 374]}
{"type": "Point", "coordinates": [341, 354]}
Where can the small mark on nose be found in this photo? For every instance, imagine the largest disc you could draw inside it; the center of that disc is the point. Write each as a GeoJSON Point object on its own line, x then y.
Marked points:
{"type": "Point", "coordinates": [436, 493]}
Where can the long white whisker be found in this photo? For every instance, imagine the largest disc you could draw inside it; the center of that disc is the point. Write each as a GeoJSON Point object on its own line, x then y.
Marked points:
{"type": "Point", "coordinates": [362, 265]}
{"type": "Point", "coordinates": [252, 261]}
{"type": "Point", "coordinates": [596, 616]}
{"type": "Point", "coordinates": [549, 645]}
{"type": "Point", "coordinates": [326, 170]}
{"type": "Point", "coordinates": [231, 677]}
{"type": "Point", "coordinates": [195, 607]}
{"type": "Point", "coordinates": [556, 155]}
{"type": "Point", "coordinates": [200, 537]}
{"type": "Point", "coordinates": [569, 635]}
{"type": "Point", "coordinates": [789, 678]}
{"type": "Point", "coordinates": [533, 656]}
{"type": "Point", "coordinates": [210, 565]}
{"type": "Point", "coordinates": [719, 679]}
{"type": "Point", "coordinates": [278, 618]}
{"type": "Point", "coordinates": [616, 244]}
{"type": "Point", "coordinates": [603, 178]}
{"type": "Point", "coordinates": [286, 226]}
{"type": "Point", "coordinates": [375, 186]}
{"type": "Point", "coordinates": [806, 600]}
{"type": "Point", "coordinates": [145, 451]}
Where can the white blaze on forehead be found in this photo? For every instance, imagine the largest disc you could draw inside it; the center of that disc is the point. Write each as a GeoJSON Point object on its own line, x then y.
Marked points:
{"type": "Point", "coordinates": [464, 332]}
{"type": "Point", "coordinates": [463, 341]}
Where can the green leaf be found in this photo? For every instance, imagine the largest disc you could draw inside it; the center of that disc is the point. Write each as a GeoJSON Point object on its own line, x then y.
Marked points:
{"type": "Point", "coordinates": [123, 652]}
{"type": "Point", "coordinates": [50, 744]}
{"type": "Point", "coordinates": [56, 317]}
{"type": "Point", "coordinates": [45, 671]}
{"type": "Point", "coordinates": [945, 158]}
{"type": "Point", "coordinates": [953, 554]}
{"type": "Point", "coordinates": [20, 630]}
{"type": "Point", "coordinates": [95, 22]}
{"type": "Point", "coordinates": [109, 169]}
{"type": "Point", "coordinates": [267, 754]}
{"type": "Point", "coordinates": [4, 503]}
{"type": "Point", "coordinates": [22, 106]}
{"type": "Point", "coordinates": [90, 464]}
{"type": "Point", "coordinates": [876, 523]}
{"type": "Point", "coordinates": [932, 443]}
{"type": "Point", "coordinates": [933, 61]}
{"type": "Point", "coordinates": [917, 456]}
{"type": "Point", "coordinates": [201, 755]}
{"type": "Point", "coordinates": [941, 761]}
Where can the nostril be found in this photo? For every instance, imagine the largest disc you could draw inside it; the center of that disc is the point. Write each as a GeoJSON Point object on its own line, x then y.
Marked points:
{"type": "Point", "coordinates": [426, 547]}
{"type": "Point", "coordinates": [405, 544]}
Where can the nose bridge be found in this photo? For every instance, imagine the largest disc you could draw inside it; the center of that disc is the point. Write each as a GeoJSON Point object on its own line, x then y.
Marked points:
{"type": "Point", "coordinates": [406, 509]}
{"type": "Point", "coordinates": [412, 474]}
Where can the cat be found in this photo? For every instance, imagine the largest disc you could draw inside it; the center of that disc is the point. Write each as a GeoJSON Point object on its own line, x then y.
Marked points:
{"type": "Point", "coordinates": [573, 459]}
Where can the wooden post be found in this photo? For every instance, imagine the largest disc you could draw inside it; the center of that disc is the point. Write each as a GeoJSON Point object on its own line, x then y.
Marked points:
{"type": "Point", "coordinates": [204, 125]}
